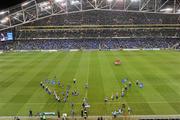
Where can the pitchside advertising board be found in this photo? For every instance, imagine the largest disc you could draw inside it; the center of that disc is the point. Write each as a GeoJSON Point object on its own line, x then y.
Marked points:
{"type": "Point", "coordinates": [6, 36]}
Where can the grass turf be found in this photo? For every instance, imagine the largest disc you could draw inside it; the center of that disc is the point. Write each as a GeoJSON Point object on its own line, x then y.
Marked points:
{"type": "Point", "coordinates": [21, 74]}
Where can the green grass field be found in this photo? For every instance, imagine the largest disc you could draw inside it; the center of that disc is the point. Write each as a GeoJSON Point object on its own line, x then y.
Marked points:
{"type": "Point", "coordinates": [21, 74]}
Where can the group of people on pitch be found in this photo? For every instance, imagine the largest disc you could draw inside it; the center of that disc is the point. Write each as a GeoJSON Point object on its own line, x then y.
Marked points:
{"type": "Point", "coordinates": [85, 106]}
{"type": "Point", "coordinates": [126, 85]}
{"type": "Point", "coordinates": [46, 88]}
{"type": "Point", "coordinates": [123, 92]}
{"type": "Point", "coordinates": [65, 93]}
{"type": "Point", "coordinates": [121, 110]}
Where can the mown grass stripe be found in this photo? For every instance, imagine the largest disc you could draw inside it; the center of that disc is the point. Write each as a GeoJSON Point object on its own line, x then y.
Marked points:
{"type": "Point", "coordinates": [39, 95]}
{"type": "Point", "coordinates": [150, 69]}
{"type": "Point", "coordinates": [135, 92]}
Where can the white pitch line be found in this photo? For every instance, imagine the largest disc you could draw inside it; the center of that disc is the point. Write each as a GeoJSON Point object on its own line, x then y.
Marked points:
{"type": "Point", "coordinates": [111, 102]}
{"type": "Point", "coordinates": [87, 80]}
{"type": "Point", "coordinates": [176, 116]}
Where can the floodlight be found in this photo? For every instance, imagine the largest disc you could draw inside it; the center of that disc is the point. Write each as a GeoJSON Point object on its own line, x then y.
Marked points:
{"type": "Point", "coordinates": [178, 11]}
{"type": "Point", "coordinates": [167, 10]}
{"type": "Point", "coordinates": [48, 7]}
{"type": "Point", "coordinates": [44, 4]}
{"type": "Point", "coordinates": [24, 4]}
{"type": "Point", "coordinates": [63, 4]}
{"type": "Point", "coordinates": [109, 0]}
{"type": "Point", "coordinates": [75, 2]}
{"type": "Point", "coordinates": [120, 0]}
{"type": "Point", "coordinates": [17, 15]}
{"type": "Point", "coordinates": [135, 0]}
{"type": "Point", "coordinates": [4, 20]}
{"type": "Point", "coordinates": [58, 1]}
{"type": "Point", "coordinates": [3, 12]}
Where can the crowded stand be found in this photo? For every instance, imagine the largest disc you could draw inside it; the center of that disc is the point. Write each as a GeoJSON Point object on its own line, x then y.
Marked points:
{"type": "Point", "coordinates": [98, 30]}
{"type": "Point", "coordinates": [98, 33]}
{"type": "Point", "coordinates": [108, 18]}
{"type": "Point", "coordinates": [90, 44]}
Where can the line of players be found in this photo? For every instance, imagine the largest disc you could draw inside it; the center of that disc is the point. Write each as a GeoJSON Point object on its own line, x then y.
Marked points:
{"type": "Point", "coordinates": [66, 94]}
{"type": "Point", "coordinates": [47, 89]}
{"type": "Point", "coordinates": [124, 89]}
{"type": "Point", "coordinates": [50, 92]}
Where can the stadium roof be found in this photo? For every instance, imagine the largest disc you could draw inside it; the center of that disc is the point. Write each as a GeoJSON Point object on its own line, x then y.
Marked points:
{"type": "Point", "coordinates": [33, 10]}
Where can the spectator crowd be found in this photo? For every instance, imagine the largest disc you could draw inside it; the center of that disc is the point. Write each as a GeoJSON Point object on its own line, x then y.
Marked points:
{"type": "Point", "coordinates": [130, 43]}
{"type": "Point", "coordinates": [164, 32]}
{"type": "Point", "coordinates": [108, 18]}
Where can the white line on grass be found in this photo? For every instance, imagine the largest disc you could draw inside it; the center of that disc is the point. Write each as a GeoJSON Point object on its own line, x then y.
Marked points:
{"type": "Point", "coordinates": [111, 102]}
{"type": "Point", "coordinates": [129, 116]}
{"type": "Point", "coordinates": [87, 80]}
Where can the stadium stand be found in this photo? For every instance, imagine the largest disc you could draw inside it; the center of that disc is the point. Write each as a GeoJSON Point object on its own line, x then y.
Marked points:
{"type": "Point", "coordinates": [89, 44]}
{"type": "Point", "coordinates": [98, 30]}
{"type": "Point", "coordinates": [108, 18]}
